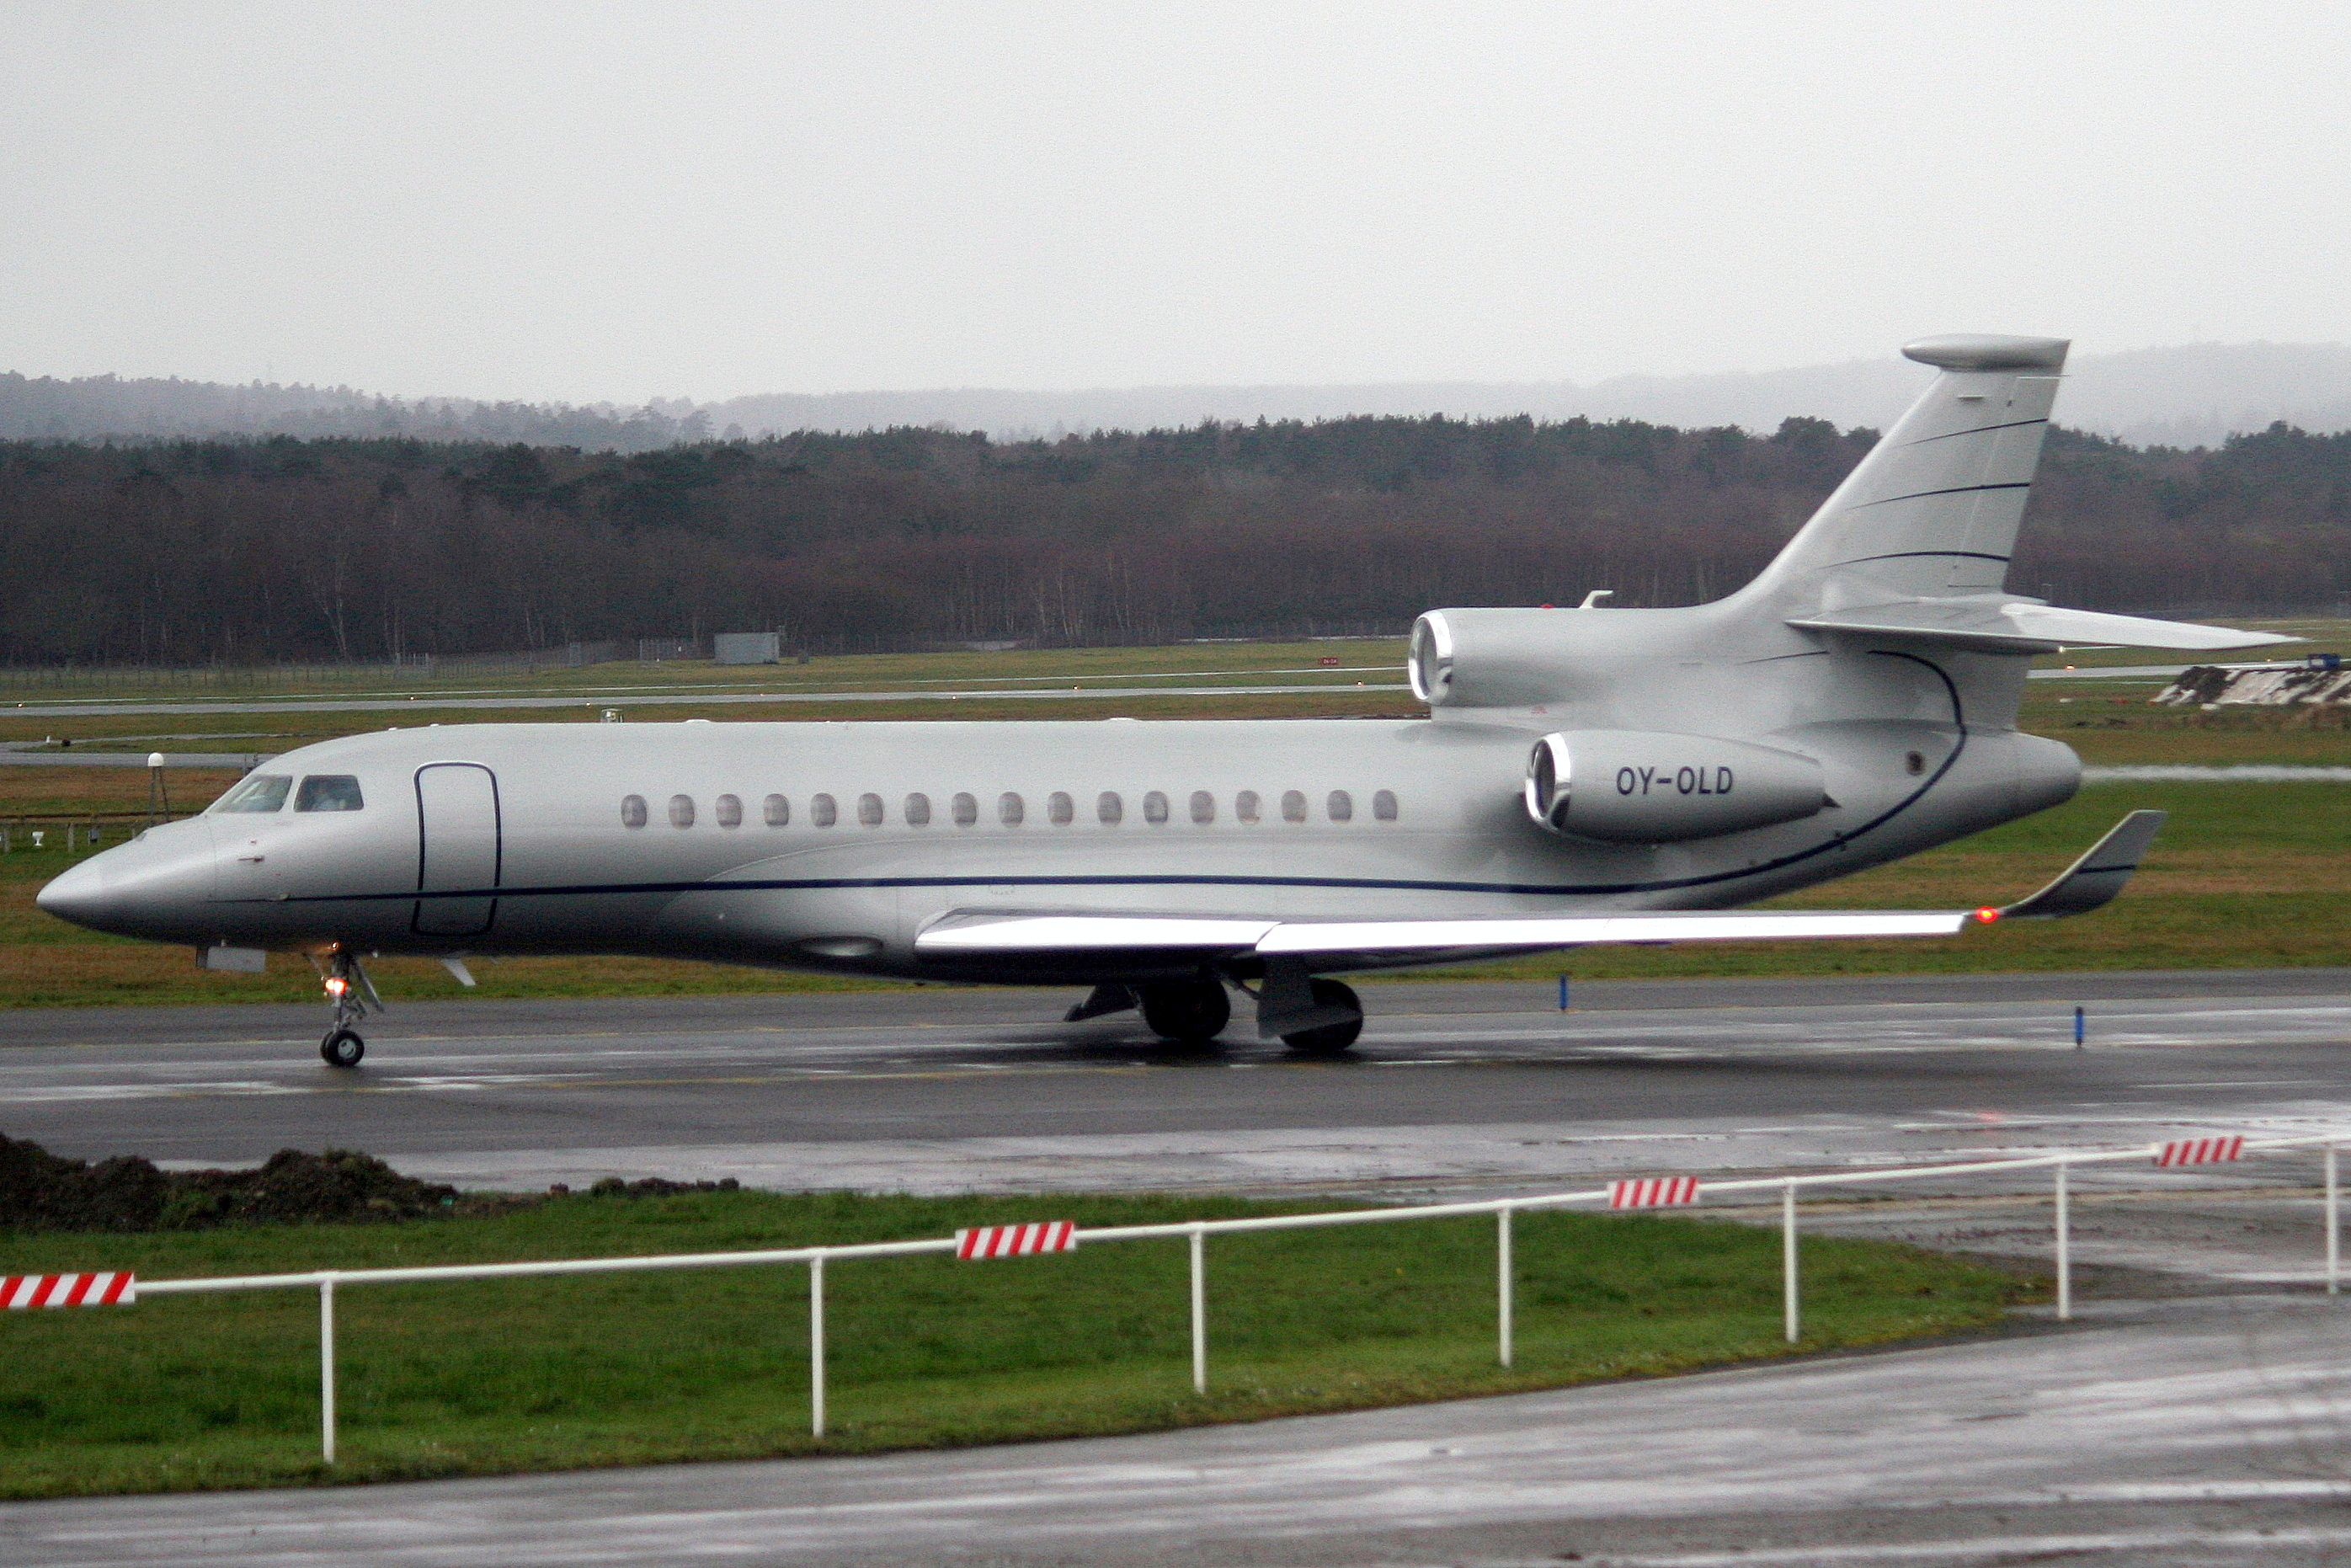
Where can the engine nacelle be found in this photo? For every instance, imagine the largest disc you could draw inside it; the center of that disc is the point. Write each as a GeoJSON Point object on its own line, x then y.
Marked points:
{"type": "Point", "coordinates": [1491, 658]}
{"type": "Point", "coordinates": [1633, 786]}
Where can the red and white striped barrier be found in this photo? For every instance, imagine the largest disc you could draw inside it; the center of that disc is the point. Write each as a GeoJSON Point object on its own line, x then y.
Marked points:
{"type": "Point", "coordinates": [67, 1291]}
{"type": "Point", "coordinates": [1654, 1192]}
{"type": "Point", "coordinates": [1016, 1240]}
{"type": "Point", "coordinates": [2212, 1150]}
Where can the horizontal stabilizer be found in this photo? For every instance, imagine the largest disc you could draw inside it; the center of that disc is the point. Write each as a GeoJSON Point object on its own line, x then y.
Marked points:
{"type": "Point", "coordinates": [1993, 624]}
{"type": "Point", "coordinates": [2092, 881]}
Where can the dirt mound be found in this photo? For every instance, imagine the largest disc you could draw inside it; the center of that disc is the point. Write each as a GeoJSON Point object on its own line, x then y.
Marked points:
{"type": "Point", "coordinates": [652, 1187]}
{"type": "Point", "coordinates": [42, 1191]}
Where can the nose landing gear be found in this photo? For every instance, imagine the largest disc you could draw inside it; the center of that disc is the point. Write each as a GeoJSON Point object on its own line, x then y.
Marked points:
{"type": "Point", "coordinates": [352, 994]}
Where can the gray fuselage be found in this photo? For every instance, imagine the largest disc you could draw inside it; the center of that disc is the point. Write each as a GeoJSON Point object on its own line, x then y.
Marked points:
{"type": "Point", "coordinates": [517, 838]}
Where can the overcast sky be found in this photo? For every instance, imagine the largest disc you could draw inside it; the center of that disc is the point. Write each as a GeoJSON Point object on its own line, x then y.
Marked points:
{"type": "Point", "coordinates": [612, 202]}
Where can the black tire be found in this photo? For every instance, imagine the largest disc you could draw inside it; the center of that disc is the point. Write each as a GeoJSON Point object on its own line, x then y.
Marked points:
{"type": "Point", "coordinates": [1330, 1039]}
{"type": "Point", "coordinates": [1189, 1012]}
{"type": "Point", "coordinates": [342, 1048]}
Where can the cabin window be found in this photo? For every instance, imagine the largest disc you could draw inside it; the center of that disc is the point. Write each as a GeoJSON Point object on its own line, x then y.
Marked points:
{"type": "Point", "coordinates": [1060, 809]}
{"type": "Point", "coordinates": [1110, 808]}
{"type": "Point", "coordinates": [729, 810]}
{"type": "Point", "coordinates": [633, 811]}
{"type": "Point", "coordinates": [869, 810]}
{"type": "Point", "coordinates": [1293, 805]}
{"type": "Point", "coordinates": [681, 811]}
{"type": "Point", "coordinates": [1155, 808]}
{"type": "Point", "coordinates": [1204, 807]}
{"type": "Point", "coordinates": [967, 809]}
{"type": "Point", "coordinates": [1010, 809]}
{"type": "Point", "coordinates": [777, 810]}
{"type": "Point", "coordinates": [256, 792]}
{"type": "Point", "coordinates": [1383, 806]}
{"type": "Point", "coordinates": [1246, 806]}
{"type": "Point", "coordinates": [918, 811]}
{"type": "Point", "coordinates": [1342, 806]}
{"type": "Point", "coordinates": [822, 811]}
{"type": "Point", "coordinates": [329, 792]}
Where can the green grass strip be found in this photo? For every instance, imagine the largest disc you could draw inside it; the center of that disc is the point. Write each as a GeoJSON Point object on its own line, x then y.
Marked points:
{"type": "Point", "coordinates": [481, 1377]}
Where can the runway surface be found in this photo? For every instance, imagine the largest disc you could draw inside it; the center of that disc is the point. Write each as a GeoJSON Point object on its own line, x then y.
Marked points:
{"type": "Point", "coordinates": [1457, 1085]}
{"type": "Point", "coordinates": [2199, 1413]}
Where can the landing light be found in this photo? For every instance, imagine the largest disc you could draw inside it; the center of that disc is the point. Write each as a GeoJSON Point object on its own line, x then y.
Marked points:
{"type": "Point", "coordinates": [337, 985]}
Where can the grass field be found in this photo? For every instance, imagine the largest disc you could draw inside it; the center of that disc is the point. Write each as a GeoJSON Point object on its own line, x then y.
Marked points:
{"type": "Point", "coordinates": [2108, 720]}
{"type": "Point", "coordinates": [1188, 661]}
{"type": "Point", "coordinates": [2246, 874]}
{"type": "Point", "coordinates": [186, 1392]}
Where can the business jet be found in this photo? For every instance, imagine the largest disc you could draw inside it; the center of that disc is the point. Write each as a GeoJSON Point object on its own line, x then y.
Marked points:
{"type": "Point", "coordinates": [1585, 775]}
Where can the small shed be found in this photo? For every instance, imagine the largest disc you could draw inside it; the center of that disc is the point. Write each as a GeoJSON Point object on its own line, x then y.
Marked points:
{"type": "Point", "coordinates": [749, 647]}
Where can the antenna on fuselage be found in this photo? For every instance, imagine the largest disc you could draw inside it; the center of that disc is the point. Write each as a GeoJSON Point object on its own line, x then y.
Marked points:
{"type": "Point", "coordinates": [1592, 600]}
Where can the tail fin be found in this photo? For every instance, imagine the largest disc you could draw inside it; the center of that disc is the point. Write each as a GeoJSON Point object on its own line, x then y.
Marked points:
{"type": "Point", "coordinates": [1932, 511]}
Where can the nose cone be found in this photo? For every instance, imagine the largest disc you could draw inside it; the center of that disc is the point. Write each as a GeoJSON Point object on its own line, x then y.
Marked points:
{"type": "Point", "coordinates": [79, 895]}
{"type": "Point", "coordinates": [157, 886]}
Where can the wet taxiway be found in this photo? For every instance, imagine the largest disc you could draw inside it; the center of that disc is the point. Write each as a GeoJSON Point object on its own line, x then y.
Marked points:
{"type": "Point", "coordinates": [1456, 1084]}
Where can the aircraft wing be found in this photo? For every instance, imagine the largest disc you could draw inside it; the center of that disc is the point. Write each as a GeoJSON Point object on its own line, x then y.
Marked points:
{"type": "Point", "coordinates": [2091, 881]}
{"type": "Point", "coordinates": [1013, 931]}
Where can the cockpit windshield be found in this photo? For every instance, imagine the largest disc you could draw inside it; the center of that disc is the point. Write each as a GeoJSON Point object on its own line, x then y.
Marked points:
{"type": "Point", "coordinates": [256, 792]}
{"type": "Point", "coordinates": [329, 792]}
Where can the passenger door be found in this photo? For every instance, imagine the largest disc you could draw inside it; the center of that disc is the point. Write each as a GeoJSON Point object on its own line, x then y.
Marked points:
{"type": "Point", "coordinates": [458, 848]}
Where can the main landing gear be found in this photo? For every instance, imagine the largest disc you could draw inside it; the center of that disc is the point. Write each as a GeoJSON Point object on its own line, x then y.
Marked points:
{"type": "Point", "coordinates": [1312, 1017]}
{"type": "Point", "coordinates": [1332, 1038]}
{"type": "Point", "coordinates": [351, 993]}
{"type": "Point", "coordinates": [1187, 1012]}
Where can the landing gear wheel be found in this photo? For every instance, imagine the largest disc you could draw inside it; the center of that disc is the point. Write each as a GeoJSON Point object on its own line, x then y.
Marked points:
{"type": "Point", "coordinates": [348, 991]}
{"type": "Point", "coordinates": [1189, 1012]}
{"type": "Point", "coordinates": [1330, 1039]}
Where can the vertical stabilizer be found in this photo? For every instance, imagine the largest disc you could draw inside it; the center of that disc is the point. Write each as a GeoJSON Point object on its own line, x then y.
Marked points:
{"type": "Point", "coordinates": [1932, 511]}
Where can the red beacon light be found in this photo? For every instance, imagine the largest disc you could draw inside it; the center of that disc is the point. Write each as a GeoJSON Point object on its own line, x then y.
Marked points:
{"type": "Point", "coordinates": [1987, 914]}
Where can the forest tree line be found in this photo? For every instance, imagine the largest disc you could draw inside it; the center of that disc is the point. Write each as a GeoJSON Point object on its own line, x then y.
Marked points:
{"type": "Point", "coordinates": [202, 552]}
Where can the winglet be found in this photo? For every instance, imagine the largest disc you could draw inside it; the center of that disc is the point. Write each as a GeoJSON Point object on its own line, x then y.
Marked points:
{"type": "Point", "coordinates": [2095, 879]}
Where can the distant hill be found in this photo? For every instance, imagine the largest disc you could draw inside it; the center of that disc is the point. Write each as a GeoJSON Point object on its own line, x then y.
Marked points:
{"type": "Point", "coordinates": [2191, 396]}
{"type": "Point", "coordinates": [2196, 394]}
{"type": "Point", "coordinates": [93, 408]}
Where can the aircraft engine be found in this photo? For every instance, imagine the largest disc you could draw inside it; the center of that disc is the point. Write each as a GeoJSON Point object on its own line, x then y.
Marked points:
{"type": "Point", "coordinates": [1633, 787]}
{"type": "Point", "coordinates": [1465, 659]}
{"type": "Point", "coordinates": [1489, 658]}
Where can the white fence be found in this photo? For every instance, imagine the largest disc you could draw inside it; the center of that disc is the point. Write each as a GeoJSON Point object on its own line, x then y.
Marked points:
{"type": "Point", "coordinates": [1195, 1234]}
